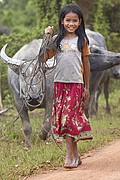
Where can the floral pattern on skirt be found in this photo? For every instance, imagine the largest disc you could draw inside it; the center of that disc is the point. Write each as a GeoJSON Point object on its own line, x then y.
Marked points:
{"type": "Point", "coordinates": [68, 112]}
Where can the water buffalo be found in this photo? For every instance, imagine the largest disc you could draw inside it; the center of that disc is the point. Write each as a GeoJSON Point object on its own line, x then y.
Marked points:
{"type": "Point", "coordinates": [32, 88]}
{"type": "Point", "coordinates": [105, 78]}
{"type": "Point", "coordinates": [99, 78]}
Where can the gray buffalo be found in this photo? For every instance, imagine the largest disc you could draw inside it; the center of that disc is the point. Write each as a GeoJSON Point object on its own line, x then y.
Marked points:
{"type": "Point", "coordinates": [100, 78]}
{"type": "Point", "coordinates": [32, 86]}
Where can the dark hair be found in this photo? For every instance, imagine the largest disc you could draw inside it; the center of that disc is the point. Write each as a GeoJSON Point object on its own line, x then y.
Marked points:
{"type": "Point", "coordinates": [80, 32]}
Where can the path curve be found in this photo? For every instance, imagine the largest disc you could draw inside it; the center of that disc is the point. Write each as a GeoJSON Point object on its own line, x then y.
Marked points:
{"type": "Point", "coordinates": [100, 164]}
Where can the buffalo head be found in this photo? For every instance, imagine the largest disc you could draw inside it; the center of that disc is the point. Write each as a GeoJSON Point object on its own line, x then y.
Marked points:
{"type": "Point", "coordinates": [31, 76]}
{"type": "Point", "coordinates": [116, 72]}
{"type": "Point", "coordinates": [102, 59]}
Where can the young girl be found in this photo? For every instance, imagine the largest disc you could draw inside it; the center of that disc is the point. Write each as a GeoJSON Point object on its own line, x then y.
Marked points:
{"type": "Point", "coordinates": [71, 82]}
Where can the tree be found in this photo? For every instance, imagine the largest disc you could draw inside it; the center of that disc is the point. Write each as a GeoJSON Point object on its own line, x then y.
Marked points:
{"type": "Point", "coordinates": [101, 22]}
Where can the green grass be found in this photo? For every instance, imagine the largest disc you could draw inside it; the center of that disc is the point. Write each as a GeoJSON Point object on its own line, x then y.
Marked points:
{"type": "Point", "coordinates": [17, 162]}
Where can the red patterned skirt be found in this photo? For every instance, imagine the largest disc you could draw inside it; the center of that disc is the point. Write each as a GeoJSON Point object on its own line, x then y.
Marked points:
{"type": "Point", "coordinates": [68, 112]}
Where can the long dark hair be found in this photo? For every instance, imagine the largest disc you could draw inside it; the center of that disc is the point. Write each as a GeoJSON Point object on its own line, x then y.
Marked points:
{"type": "Point", "coordinates": [80, 32]}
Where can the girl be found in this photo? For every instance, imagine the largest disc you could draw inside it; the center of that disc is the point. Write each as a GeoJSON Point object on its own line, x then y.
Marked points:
{"type": "Point", "coordinates": [71, 82]}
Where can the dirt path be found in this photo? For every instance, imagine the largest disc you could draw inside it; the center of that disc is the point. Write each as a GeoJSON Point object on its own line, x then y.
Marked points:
{"type": "Point", "coordinates": [101, 164]}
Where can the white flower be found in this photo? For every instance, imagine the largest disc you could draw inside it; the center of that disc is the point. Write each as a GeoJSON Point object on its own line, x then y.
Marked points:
{"type": "Point", "coordinates": [16, 165]}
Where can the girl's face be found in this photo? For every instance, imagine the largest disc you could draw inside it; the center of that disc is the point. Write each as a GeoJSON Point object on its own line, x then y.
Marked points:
{"type": "Point", "coordinates": [71, 22]}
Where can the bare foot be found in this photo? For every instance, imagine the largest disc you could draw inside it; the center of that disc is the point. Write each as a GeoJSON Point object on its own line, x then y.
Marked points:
{"type": "Point", "coordinates": [68, 162]}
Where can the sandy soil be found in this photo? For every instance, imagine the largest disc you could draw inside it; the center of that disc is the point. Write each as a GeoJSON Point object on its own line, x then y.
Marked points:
{"type": "Point", "coordinates": [100, 164]}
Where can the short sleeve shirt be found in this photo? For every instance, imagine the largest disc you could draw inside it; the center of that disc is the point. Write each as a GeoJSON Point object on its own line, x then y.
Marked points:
{"type": "Point", "coordinates": [69, 67]}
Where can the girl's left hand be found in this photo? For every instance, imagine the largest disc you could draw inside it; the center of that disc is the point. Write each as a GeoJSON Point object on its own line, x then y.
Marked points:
{"type": "Point", "coordinates": [87, 94]}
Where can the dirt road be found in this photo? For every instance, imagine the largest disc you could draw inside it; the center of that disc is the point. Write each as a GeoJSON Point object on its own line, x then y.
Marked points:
{"type": "Point", "coordinates": [101, 164]}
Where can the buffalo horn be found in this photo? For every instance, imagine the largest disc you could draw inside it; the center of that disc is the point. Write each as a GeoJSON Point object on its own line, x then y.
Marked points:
{"type": "Point", "coordinates": [7, 59]}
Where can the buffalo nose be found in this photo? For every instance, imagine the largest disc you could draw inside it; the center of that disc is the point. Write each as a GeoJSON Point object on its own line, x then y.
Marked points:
{"type": "Point", "coordinates": [116, 75]}
{"type": "Point", "coordinates": [33, 100]}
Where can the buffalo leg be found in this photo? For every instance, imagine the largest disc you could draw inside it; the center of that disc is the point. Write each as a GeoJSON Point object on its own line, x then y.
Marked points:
{"type": "Point", "coordinates": [46, 127]}
{"type": "Point", "coordinates": [106, 94]}
{"type": "Point", "coordinates": [26, 125]}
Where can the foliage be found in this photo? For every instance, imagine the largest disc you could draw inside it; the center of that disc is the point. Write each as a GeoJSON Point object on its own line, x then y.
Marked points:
{"type": "Point", "coordinates": [114, 41]}
{"type": "Point", "coordinates": [26, 14]}
{"type": "Point", "coordinates": [100, 22]}
{"type": "Point", "coordinates": [17, 15]}
{"type": "Point", "coordinates": [106, 21]}
{"type": "Point", "coordinates": [111, 11]}
{"type": "Point", "coordinates": [102, 16]}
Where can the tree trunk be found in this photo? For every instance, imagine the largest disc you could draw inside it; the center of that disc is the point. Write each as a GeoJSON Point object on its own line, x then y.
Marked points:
{"type": "Point", "coordinates": [87, 7]}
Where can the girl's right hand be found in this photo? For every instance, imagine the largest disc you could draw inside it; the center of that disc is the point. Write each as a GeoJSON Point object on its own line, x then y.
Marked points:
{"type": "Point", "coordinates": [49, 30]}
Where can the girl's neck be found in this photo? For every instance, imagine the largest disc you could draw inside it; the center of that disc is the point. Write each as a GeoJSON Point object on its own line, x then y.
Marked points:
{"type": "Point", "coordinates": [70, 36]}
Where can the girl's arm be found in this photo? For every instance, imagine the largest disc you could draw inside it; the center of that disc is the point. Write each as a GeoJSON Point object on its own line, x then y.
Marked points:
{"type": "Point", "coordinates": [86, 66]}
{"type": "Point", "coordinates": [49, 53]}
{"type": "Point", "coordinates": [86, 69]}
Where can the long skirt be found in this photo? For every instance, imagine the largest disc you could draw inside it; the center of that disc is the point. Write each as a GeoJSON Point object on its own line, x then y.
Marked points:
{"type": "Point", "coordinates": [68, 117]}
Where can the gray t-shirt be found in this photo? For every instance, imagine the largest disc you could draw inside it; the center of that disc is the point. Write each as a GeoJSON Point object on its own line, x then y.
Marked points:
{"type": "Point", "coordinates": [69, 67]}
